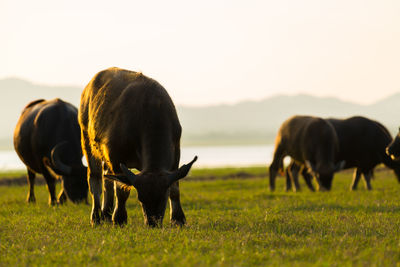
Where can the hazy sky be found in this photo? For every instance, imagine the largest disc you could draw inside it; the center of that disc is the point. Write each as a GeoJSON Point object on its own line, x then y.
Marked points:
{"type": "Point", "coordinates": [210, 51]}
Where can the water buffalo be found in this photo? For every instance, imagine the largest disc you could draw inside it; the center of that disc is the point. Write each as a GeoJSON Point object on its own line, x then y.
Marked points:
{"type": "Point", "coordinates": [47, 140]}
{"type": "Point", "coordinates": [393, 149]}
{"type": "Point", "coordinates": [309, 141]}
{"type": "Point", "coordinates": [362, 145]}
{"type": "Point", "coordinates": [129, 121]}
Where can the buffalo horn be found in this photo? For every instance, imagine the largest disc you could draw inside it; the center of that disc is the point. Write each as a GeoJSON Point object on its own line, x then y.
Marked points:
{"type": "Point", "coordinates": [58, 164]}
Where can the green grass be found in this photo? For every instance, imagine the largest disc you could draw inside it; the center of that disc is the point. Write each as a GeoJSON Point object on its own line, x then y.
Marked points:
{"type": "Point", "coordinates": [228, 172]}
{"type": "Point", "coordinates": [12, 174]}
{"type": "Point", "coordinates": [231, 222]}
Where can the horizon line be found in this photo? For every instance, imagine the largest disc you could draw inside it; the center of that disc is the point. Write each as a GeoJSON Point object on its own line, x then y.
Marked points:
{"type": "Point", "coordinates": [216, 104]}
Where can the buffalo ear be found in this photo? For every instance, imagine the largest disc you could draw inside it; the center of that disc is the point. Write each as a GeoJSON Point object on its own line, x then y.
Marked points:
{"type": "Point", "coordinates": [47, 164]}
{"type": "Point", "coordinates": [181, 172]}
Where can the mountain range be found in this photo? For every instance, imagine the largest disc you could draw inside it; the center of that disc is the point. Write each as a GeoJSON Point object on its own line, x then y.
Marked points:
{"type": "Point", "coordinates": [247, 122]}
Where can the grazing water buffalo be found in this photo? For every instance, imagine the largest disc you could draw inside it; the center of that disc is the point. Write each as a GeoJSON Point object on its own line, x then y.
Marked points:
{"type": "Point", "coordinates": [393, 149]}
{"type": "Point", "coordinates": [309, 141]}
{"type": "Point", "coordinates": [362, 145]}
{"type": "Point", "coordinates": [47, 140]}
{"type": "Point", "coordinates": [129, 120]}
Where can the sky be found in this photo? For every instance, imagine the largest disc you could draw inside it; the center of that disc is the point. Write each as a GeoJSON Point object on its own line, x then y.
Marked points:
{"type": "Point", "coordinates": [211, 51]}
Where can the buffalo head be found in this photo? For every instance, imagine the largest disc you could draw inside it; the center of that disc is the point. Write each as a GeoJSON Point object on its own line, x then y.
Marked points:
{"type": "Point", "coordinates": [393, 149]}
{"type": "Point", "coordinates": [324, 172]}
{"type": "Point", "coordinates": [73, 176]}
{"type": "Point", "coordinates": [152, 189]}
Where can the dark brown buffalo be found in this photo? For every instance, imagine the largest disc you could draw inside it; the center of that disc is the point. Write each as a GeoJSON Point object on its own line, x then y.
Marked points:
{"type": "Point", "coordinates": [393, 149]}
{"type": "Point", "coordinates": [362, 145]}
{"type": "Point", "coordinates": [129, 121]}
{"type": "Point", "coordinates": [47, 139]}
{"type": "Point", "coordinates": [309, 141]}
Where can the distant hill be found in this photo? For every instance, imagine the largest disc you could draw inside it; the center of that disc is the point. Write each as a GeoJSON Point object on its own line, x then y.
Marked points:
{"type": "Point", "coordinates": [248, 122]}
{"type": "Point", "coordinates": [16, 93]}
{"type": "Point", "coordinates": [259, 121]}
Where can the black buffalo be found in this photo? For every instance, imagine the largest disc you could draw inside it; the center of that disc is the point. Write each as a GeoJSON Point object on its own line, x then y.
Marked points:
{"type": "Point", "coordinates": [129, 121]}
{"type": "Point", "coordinates": [393, 149]}
{"type": "Point", "coordinates": [309, 141]}
{"type": "Point", "coordinates": [362, 145]}
{"type": "Point", "coordinates": [47, 140]}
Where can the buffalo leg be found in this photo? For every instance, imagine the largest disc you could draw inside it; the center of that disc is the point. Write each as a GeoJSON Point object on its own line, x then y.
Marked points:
{"type": "Point", "coordinates": [356, 179]}
{"type": "Point", "coordinates": [367, 179]}
{"type": "Point", "coordinates": [397, 173]}
{"type": "Point", "coordinates": [31, 183]}
{"type": "Point", "coordinates": [288, 179]}
{"type": "Point", "coordinates": [94, 175]}
{"type": "Point", "coordinates": [292, 176]}
{"type": "Point", "coordinates": [276, 164]}
{"type": "Point", "coordinates": [120, 216]}
{"type": "Point", "coordinates": [308, 179]}
{"type": "Point", "coordinates": [108, 200]}
{"type": "Point", "coordinates": [294, 171]}
{"type": "Point", "coordinates": [95, 190]}
{"type": "Point", "coordinates": [177, 216]}
{"type": "Point", "coordinates": [272, 177]}
{"type": "Point", "coordinates": [51, 186]}
{"type": "Point", "coordinates": [176, 212]}
{"type": "Point", "coordinates": [62, 197]}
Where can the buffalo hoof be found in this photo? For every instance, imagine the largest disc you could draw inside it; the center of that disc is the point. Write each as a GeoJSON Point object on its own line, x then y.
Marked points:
{"type": "Point", "coordinates": [120, 217]}
{"type": "Point", "coordinates": [53, 202]}
{"type": "Point", "coordinates": [154, 223]}
{"type": "Point", "coordinates": [31, 199]}
{"type": "Point", "coordinates": [323, 189]}
{"type": "Point", "coordinates": [179, 223]}
{"type": "Point", "coordinates": [62, 199]}
{"type": "Point", "coordinates": [178, 219]}
{"type": "Point", "coordinates": [94, 219]}
{"type": "Point", "coordinates": [106, 216]}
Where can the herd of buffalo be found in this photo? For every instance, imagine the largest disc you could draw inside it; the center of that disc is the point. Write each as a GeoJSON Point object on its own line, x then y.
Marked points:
{"type": "Point", "coordinates": [128, 121]}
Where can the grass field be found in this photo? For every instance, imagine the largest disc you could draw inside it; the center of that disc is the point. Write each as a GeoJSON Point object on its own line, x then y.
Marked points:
{"type": "Point", "coordinates": [231, 222]}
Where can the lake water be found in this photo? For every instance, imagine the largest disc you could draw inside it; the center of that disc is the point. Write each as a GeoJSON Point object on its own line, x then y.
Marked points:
{"type": "Point", "coordinates": [221, 156]}
{"type": "Point", "coordinates": [209, 156]}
